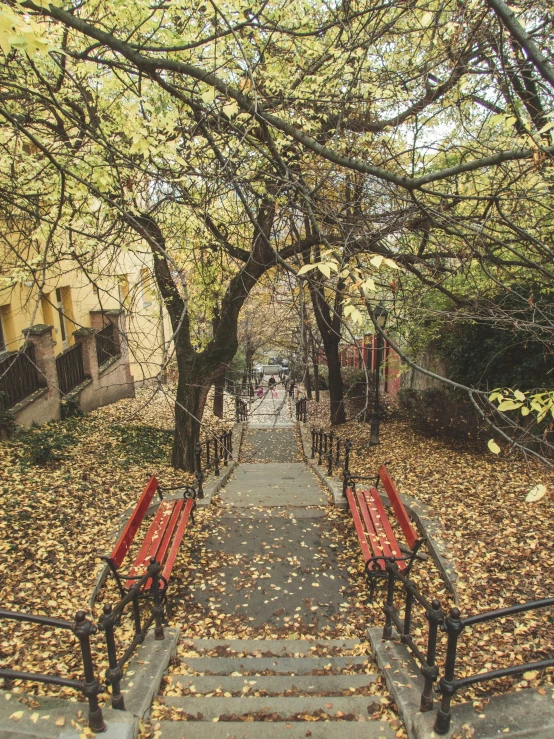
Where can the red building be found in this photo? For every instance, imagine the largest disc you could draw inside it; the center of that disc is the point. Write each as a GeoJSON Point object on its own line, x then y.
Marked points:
{"type": "Point", "coordinates": [364, 352]}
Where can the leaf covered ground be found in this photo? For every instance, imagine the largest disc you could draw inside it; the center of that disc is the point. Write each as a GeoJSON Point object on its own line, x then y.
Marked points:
{"type": "Point", "coordinates": [65, 486]}
{"type": "Point", "coordinates": [501, 544]}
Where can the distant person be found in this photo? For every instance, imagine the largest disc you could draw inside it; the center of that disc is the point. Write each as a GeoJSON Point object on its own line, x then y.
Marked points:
{"type": "Point", "coordinates": [272, 381]}
{"type": "Point", "coordinates": [260, 392]}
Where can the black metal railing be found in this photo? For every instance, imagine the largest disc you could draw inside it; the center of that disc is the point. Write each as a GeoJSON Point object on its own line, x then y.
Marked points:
{"type": "Point", "coordinates": [69, 367]}
{"type": "Point", "coordinates": [334, 450]}
{"type": "Point", "coordinates": [90, 687]}
{"type": "Point", "coordinates": [454, 626]}
{"type": "Point", "coordinates": [107, 344]}
{"type": "Point", "coordinates": [19, 376]}
{"type": "Point", "coordinates": [435, 617]}
{"type": "Point", "coordinates": [241, 409]}
{"type": "Point", "coordinates": [301, 410]}
{"type": "Point", "coordinates": [111, 618]}
{"type": "Point", "coordinates": [210, 454]}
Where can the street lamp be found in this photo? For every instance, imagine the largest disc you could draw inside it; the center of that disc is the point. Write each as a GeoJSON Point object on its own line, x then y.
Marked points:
{"type": "Point", "coordinates": [380, 315]}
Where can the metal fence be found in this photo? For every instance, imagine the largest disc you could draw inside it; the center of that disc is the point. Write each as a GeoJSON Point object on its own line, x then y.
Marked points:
{"type": "Point", "coordinates": [19, 376]}
{"type": "Point", "coordinates": [107, 344]}
{"type": "Point", "coordinates": [453, 625]}
{"type": "Point", "coordinates": [210, 454]}
{"type": "Point", "coordinates": [69, 367]}
{"type": "Point", "coordinates": [301, 410]}
{"type": "Point", "coordinates": [90, 686]}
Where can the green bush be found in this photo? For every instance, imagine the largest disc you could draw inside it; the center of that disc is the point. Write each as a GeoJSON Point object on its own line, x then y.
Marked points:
{"type": "Point", "coordinates": [45, 445]}
{"type": "Point", "coordinates": [444, 412]}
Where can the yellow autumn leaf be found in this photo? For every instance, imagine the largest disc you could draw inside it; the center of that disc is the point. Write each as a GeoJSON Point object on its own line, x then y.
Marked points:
{"type": "Point", "coordinates": [493, 446]}
{"type": "Point", "coordinates": [536, 493]}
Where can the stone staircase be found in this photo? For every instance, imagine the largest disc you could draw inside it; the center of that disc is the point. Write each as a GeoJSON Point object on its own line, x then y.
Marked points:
{"type": "Point", "coordinates": [233, 689]}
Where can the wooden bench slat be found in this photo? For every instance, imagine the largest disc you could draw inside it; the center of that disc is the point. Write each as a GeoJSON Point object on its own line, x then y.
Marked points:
{"type": "Point", "coordinates": [358, 524]}
{"type": "Point", "coordinates": [185, 516]}
{"type": "Point", "coordinates": [128, 534]}
{"type": "Point", "coordinates": [379, 511]}
{"type": "Point", "coordinates": [152, 541]}
{"type": "Point", "coordinates": [376, 538]}
{"type": "Point", "coordinates": [168, 532]}
{"type": "Point", "coordinates": [398, 506]}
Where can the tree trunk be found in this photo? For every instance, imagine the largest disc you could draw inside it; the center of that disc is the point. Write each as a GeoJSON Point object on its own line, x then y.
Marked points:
{"type": "Point", "coordinates": [316, 378]}
{"type": "Point", "coordinates": [219, 387]}
{"type": "Point", "coordinates": [192, 391]}
{"type": "Point", "coordinates": [336, 390]}
{"type": "Point", "coordinates": [307, 383]}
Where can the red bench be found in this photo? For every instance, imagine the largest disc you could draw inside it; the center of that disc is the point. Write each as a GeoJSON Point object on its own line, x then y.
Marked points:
{"type": "Point", "coordinates": [162, 539]}
{"type": "Point", "coordinates": [375, 534]}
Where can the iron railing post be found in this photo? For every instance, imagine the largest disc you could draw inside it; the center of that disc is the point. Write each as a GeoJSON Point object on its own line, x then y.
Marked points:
{"type": "Point", "coordinates": [136, 608]}
{"type": "Point", "coordinates": [157, 608]}
{"type": "Point", "coordinates": [347, 448]}
{"type": "Point", "coordinates": [408, 612]}
{"type": "Point", "coordinates": [389, 604]}
{"type": "Point", "coordinates": [430, 671]}
{"type": "Point", "coordinates": [230, 442]}
{"type": "Point", "coordinates": [454, 627]}
{"type": "Point", "coordinates": [200, 481]}
{"type": "Point", "coordinates": [198, 457]}
{"type": "Point", "coordinates": [113, 673]}
{"type": "Point", "coordinates": [216, 457]}
{"type": "Point", "coordinates": [225, 449]}
{"type": "Point", "coordinates": [313, 444]}
{"type": "Point", "coordinates": [83, 629]}
{"type": "Point", "coordinates": [208, 456]}
{"type": "Point", "coordinates": [330, 456]}
{"type": "Point", "coordinates": [320, 447]}
{"type": "Point", "coordinates": [337, 457]}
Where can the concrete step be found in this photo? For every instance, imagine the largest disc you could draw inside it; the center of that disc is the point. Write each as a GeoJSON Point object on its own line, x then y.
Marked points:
{"type": "Point", "coordinates": [356, 708]}
{"type": "Point", "coordinates": [275, 665]}
{"type": "Point", "coordinates": [271, 684]}
{"type": "Point", "coordinates": [268, 647]}
{"type": "Point", "coordinates": [278, 730]}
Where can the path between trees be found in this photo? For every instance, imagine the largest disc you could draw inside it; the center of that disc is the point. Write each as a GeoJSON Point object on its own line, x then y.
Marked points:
{"type": "Point", "coordinates": [276, 567]}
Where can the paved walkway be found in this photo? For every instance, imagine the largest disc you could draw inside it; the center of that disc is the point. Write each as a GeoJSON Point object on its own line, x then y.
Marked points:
{"type": "Point", "coordinates": [272, 539]}
{"type": "Point", "coordinates": [270, 412]}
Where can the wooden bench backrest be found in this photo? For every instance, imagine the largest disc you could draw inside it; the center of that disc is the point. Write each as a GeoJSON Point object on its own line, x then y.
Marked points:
{"type": "Point", "coordinates": [133, 524]}
{"type": "Point", "coordinates": [398, 507]}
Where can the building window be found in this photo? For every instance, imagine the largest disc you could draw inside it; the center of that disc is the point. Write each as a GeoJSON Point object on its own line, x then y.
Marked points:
{"type": "Point", "coordinates": [123, 289]}
{"type": "Point", "coordinates": [2, 337]}
{"type": "Point", "coordinates": [59, 306]}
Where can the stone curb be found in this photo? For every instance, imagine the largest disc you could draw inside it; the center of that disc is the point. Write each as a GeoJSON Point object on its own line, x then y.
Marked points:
{"type": "Point", "coordinates": [213, 486]}
{"type": "Point", "coordinates": [418, 512]}
{"type": "Point", "coordinates": [145, 671]}
{"type": "Point", "coordinates": [71, 714]}
{"type": "Point", "coordinates": [517, 714]}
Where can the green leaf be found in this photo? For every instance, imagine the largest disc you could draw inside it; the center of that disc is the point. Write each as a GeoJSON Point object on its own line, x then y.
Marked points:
{"type": "Point", "coordinates": [509, 405]}
{"type": "Point", "coordinates": [306, 268]}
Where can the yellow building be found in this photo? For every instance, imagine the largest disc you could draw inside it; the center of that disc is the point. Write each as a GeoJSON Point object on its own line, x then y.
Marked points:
{"type": "Point", "coordinates": [80, 304]}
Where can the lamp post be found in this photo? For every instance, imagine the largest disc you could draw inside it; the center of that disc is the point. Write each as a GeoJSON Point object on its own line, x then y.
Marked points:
{"type": "Point", "coordinates": [380, 317]}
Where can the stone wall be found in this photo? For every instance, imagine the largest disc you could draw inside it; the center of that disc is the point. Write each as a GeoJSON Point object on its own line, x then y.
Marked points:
{"type": "Point", "coordinates": [102, 386]}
